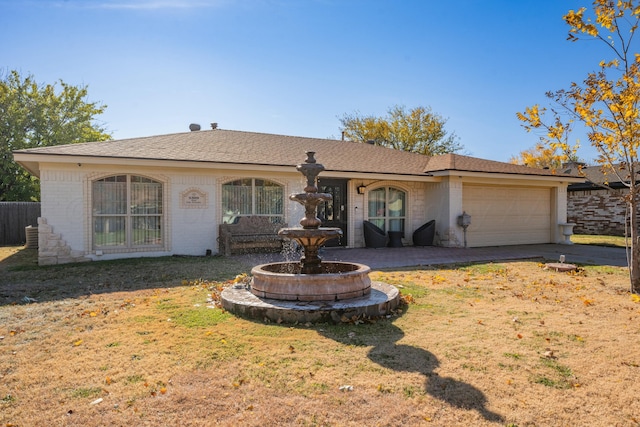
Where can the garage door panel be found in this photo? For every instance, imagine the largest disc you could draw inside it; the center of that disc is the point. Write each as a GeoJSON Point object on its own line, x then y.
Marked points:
{"type": "Point", "coordinates": [511, 215]}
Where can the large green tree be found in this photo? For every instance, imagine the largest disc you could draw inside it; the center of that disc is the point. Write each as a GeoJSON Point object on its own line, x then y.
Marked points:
{"type": "Point", "coordinates": [418, 130]}
{"type": "Point", "coordinates": [607, 103]}
{"type": "Point", "coordinates": [37, 115]}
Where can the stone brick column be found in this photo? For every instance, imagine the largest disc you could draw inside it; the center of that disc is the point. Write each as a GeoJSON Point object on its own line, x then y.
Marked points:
{"type": "Point", "coordinates": [52, 249]}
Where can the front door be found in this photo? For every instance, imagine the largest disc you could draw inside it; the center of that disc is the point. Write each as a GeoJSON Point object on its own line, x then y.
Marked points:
{"type": "Point", "coordinates": [333, 213]}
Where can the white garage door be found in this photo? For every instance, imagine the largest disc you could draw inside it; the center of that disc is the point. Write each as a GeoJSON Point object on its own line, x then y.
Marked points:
{"type": "Point", "coordinates": [507, 215]}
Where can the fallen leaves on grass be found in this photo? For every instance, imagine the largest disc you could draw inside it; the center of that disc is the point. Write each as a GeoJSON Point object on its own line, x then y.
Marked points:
{"type": "Point", "coordinates": [215, 288]}
{"type": "Point", "coordinates": [362, 318]}
{"type": "Point", "coordinates": [407, 298]}
{"type": "Point", "coordinates": [586, 301]}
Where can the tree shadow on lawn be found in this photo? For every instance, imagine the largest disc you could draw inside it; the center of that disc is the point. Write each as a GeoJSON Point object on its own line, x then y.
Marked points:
{"type": "Point", "coordinates": [405, 358]}
{"type": "Point", "coordinates": [23, 281]}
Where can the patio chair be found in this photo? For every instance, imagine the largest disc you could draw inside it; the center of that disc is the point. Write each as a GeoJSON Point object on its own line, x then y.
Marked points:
{"type": "Point", "coordinates": [374, 237]}
{"type": "Point", "coordinates": [423, 236]}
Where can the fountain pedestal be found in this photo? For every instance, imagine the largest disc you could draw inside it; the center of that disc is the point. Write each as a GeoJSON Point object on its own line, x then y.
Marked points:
{"type": "Point", "coordinates": [311, 240]}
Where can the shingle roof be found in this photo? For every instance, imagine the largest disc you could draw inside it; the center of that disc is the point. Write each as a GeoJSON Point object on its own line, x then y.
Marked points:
{"type": "Point", "coordinates": [597, 175]}
{"type": "Point", "coordinates": [456, 162]}
{"type": "Point", "coordinates": [237, 147]}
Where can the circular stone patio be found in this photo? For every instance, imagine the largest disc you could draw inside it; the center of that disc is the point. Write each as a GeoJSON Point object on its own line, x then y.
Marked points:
{"type": "Point", "coordinates": [382, 300]}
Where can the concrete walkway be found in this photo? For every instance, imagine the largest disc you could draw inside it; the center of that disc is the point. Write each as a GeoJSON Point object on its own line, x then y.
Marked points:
{"type": "Point", "coordinates": [410, 256]}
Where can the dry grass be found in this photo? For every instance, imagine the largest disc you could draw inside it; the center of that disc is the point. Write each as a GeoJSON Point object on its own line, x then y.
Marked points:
{"type": "Point", "coordinates": [487, 344]}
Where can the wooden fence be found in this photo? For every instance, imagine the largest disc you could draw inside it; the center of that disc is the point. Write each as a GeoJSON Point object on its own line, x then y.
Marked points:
{"type": "Point", "coordinates": [14, 217]}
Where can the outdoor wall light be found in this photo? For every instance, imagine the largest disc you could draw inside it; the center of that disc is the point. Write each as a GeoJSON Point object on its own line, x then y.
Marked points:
{"type": "Point", "coordinates": [361, 189]}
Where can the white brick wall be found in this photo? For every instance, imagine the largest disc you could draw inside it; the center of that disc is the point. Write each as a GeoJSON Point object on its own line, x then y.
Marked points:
{"type": "Point", "coordinates": [193, 230]}
{"type": "Point", "coordinates": [63, 204]}
{"type": "Point", "coordinates": [66, 208]}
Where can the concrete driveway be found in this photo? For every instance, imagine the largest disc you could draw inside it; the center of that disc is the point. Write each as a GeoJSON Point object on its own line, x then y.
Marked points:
{"type": "Point", "coordinates": [410, 256]}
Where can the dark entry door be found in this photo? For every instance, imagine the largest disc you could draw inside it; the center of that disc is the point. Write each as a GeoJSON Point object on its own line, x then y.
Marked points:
{"type": "Point", "coordinates": [333, 213]}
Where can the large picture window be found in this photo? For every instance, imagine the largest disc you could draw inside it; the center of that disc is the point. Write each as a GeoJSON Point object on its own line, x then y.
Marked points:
{"type": "Point", "coordinates": [387, 208]}
{"type": "Point", "coordinates": [127, 212]}
{"type": "Point", "coordinates": [252, 196]}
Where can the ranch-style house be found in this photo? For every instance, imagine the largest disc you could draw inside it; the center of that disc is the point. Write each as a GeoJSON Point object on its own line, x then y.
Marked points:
{"type": "Point", "coordinates": [169, 194]}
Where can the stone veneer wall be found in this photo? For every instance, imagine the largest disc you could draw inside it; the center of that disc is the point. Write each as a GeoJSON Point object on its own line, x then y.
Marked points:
{"type": "Point", "coordinates": [52, 249]}
{"type": "Point", "coordinates": [599, 211]}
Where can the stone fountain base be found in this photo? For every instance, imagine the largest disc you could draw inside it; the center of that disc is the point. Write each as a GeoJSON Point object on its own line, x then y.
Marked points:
{"type": "Point", "coordinates": [380, 301]}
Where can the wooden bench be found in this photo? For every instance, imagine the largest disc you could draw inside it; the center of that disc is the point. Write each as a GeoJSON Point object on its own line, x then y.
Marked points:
{"type": "Point", "coordinates": [249, 234]}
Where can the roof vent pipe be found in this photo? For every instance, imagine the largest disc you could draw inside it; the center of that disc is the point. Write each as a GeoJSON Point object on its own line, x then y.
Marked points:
{"type": "Point", "coordinates": [214, 126]}
{"type": "Point", "coordinates": [194, 127]}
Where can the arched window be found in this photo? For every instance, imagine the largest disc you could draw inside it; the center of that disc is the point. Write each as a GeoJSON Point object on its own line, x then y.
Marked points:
{"type": "Point", "coordinates": [127, 212]}
{"type": "Point", "coordinates": [252, 196]}
{"type": "Point", "coordinates": [387, 208]}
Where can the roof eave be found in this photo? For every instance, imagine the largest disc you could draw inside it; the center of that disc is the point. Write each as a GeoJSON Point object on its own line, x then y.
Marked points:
{"type": "Point", "coordinates": [31, 162]}
{"type": "Point", "coordinates": [479, 174]}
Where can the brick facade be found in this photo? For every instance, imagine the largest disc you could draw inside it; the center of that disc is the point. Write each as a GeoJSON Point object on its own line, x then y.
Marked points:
{"type": "Point", "coordinates": [597, 211]}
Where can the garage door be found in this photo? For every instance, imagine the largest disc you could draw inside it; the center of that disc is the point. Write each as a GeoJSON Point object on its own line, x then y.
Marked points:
{"type": "Point", "coordinates": [507, 215]}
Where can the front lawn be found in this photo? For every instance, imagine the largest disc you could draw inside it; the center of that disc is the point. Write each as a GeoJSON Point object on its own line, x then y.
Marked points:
{"type": "Point", "coordinates": [141, 342]}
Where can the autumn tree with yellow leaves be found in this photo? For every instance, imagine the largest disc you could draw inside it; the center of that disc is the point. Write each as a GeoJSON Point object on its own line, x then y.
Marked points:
{"type": "Point", "coordinates": [553, 149]}
{"type": "Point", "coordinates": [607, 103]}
{"type": "Point", "coordinates": [542, 156]}
{"type": "Point", "coordinates": [418, 130]}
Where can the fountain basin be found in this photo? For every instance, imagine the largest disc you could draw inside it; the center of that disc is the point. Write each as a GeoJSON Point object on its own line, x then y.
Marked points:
{"type": "Point", "coordinates": [337, 281]}
{"type": "Point", "coordinates": [311, 236]}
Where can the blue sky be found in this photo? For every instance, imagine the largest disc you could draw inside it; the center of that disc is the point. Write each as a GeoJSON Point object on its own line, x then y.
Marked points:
{"type": "Point", "coordinates": [293, 67]}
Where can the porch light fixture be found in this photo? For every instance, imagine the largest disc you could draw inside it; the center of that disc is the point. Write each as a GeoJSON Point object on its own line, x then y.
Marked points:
{"type": "Point", "coordinates": [361, 189]}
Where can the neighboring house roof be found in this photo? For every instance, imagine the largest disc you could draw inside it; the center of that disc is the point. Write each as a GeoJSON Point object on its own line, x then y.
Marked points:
{"type": "Point", "coordinates": [597, 177]}
{"type": "Point", "coordinates": [236, 147]}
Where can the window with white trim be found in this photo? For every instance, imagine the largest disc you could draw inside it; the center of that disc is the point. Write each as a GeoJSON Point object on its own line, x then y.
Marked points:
{"type": "Point", "coordinates": [252, 196]}
{"type": "Point", "coordinates": [387, 208]}
{"type": "Point", "coordinates": [127, 212]}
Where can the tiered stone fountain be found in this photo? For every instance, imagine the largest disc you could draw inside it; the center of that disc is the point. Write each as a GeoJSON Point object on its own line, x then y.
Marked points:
{"type": "Point", "coordinates": [311, 290]}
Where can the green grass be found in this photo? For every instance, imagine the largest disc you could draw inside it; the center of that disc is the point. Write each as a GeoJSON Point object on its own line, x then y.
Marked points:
{"type": "Point", "coordinates": [515, 356]}
{"type": "Point", "coordinates": [557, 376]}
{"type": "Point", "coordinates": [612, 241]}
{"type": "Point", "coordinates": [8, 399]}
{"type": "Point", "coordinates": [134, 379]}
{"type": "Point", "coordinates": [199, 317]}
